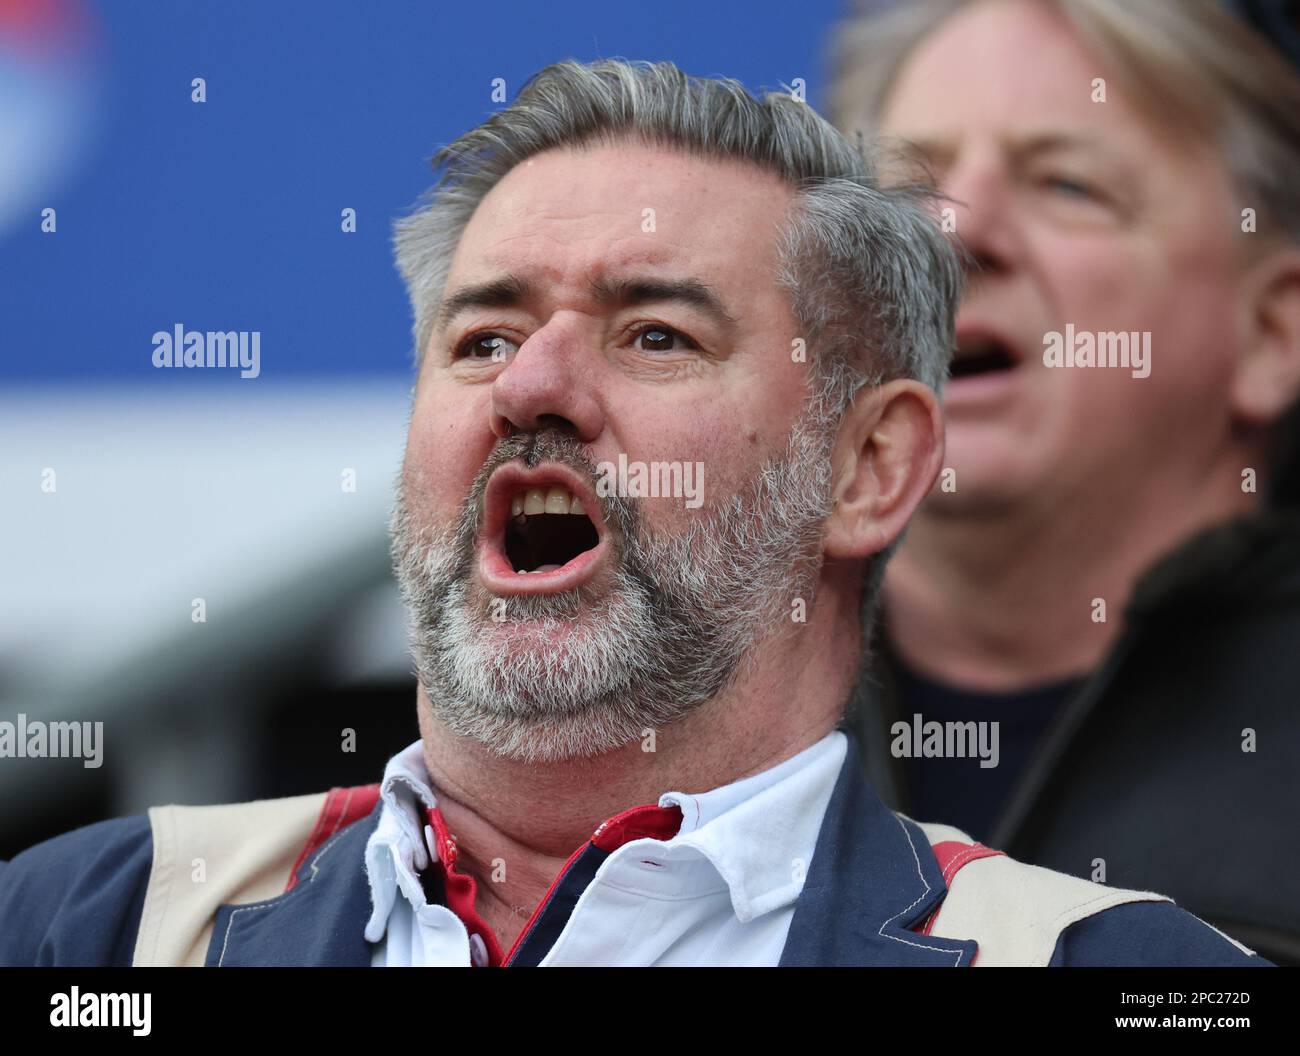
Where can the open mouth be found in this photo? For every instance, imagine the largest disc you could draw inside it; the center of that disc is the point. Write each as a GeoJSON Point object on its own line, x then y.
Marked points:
{"type": "Point", "coordinates": [543, 530]}
{"type": "Point", "coordinates": [547, 529]}
{"type": "Point", "coordinates": [977, 355]}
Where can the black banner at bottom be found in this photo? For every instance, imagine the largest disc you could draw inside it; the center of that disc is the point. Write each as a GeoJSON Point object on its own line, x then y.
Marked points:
{"type": "Point", "coordinates": [296, 1004]}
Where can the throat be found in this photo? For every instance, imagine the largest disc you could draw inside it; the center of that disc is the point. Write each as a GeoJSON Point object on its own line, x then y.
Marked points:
{"type": "Point", "coordinates": [506, 921]}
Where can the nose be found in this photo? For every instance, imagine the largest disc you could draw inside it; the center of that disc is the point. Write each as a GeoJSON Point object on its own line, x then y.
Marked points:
{"type": "Point", "coordinates": [987, 227]}
{"type": "Point", "coordinates": [548, 383]}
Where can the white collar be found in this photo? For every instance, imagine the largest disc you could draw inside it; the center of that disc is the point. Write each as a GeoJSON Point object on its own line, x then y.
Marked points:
{"type": "Point", "coordinates": [398, 849]}
{"type": "Point", "coordinates": [759, 833]}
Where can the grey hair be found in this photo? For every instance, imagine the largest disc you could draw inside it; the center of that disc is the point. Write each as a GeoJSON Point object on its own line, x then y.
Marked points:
{"type": "Point", "coordinates": [872, 281]}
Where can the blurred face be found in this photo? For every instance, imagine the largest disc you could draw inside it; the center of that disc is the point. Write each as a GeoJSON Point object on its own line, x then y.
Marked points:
{"type": "Point", "coordinates": [606, 308]}
{"type": "Point", "coordinates": [1077, 212]}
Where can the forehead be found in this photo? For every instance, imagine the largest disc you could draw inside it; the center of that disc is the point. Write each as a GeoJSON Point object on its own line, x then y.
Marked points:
{"type": "Point", "coordinates": [568, 215]}
{"type": "Point", "coordinates": [1016, 68]}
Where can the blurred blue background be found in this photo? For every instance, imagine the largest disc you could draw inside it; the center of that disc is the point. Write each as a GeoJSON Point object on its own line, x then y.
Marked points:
{"type": "Point", "coordinates": [126, 491]}
{"type": "Point", "coordinates": [226, 214]}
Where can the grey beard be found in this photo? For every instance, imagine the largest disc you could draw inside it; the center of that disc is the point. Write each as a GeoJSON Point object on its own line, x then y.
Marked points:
{"type": "Point", "coordinates": [578, 674]}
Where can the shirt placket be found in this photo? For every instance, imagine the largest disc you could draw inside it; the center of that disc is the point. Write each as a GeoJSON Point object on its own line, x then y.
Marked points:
{"type": "Point", "coordinates": [460, 890]}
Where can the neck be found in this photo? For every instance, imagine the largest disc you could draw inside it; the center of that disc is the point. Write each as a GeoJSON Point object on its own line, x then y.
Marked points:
{"type": "Point", "coordinates": [788, 695]}
{"type": "Point", "coordinates": [1006, 601]}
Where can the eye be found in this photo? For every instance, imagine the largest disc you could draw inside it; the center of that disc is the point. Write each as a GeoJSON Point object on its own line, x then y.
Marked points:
{"type": "Point", "coordinates": [485, 347]}
{"type": "Point", "coordinates": [1070, 187]}
{"type": "Point", "coordinates": [656, 338]}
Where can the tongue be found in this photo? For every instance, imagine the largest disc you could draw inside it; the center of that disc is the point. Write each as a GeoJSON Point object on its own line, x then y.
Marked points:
{"type": "Point", "coordinates": [546, 568]}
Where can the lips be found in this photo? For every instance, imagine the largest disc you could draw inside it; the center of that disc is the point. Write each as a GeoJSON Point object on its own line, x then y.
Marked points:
{"type": "Point", "coordinates": [987, 373]}
{"type": "Point", "coordinates": [542, 530]}
{"type": "Point", "coordinates": [981, 350]}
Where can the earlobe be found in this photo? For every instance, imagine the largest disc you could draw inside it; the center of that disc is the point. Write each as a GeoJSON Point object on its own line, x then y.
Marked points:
{"type": "Point", "coordinates": [887, 456]}
{"type": "Point", "coordinates": [1267, 380]}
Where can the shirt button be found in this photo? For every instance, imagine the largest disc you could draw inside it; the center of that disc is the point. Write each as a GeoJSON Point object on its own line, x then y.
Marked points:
{"type": "Point", "coordinates": [478, 954]}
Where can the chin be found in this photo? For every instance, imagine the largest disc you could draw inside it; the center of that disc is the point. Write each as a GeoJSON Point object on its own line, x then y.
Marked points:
{"type": "Point", "coordinates": [987, 470]}
{"type": "Point", "coordinates": [551, 640]}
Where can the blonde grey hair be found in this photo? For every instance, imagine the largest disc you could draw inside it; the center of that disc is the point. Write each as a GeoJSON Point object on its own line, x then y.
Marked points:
{"type": "Point", "coordinates": [872, 281]}
{"type": "Point", "coordinates": [1191, 64]}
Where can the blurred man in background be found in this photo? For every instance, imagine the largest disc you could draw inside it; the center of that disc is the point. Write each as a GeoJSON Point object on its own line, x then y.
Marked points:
{"type": "Point", "coordinates": [1099, 571]}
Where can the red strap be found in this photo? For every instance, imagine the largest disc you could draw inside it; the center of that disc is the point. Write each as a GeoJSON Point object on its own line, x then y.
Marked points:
{"type": "Point", "coordinates": [953, 856]}
{"type": "Point", "coordinates": [342, 807]}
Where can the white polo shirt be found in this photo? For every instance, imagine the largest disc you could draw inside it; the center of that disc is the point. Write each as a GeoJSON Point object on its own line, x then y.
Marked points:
{"type": "Point", "coordinates": [720, 892]}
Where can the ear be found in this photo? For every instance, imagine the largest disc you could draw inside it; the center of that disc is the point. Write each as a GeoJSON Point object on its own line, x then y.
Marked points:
{"type": "Point", "coordinates": [886, 458]}
{"type": "Point", "coordinates": [1267, 379]}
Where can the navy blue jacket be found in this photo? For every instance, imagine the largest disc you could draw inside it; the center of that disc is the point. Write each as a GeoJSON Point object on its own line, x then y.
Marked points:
{"type": "Point", "coordinates": [77, 900]}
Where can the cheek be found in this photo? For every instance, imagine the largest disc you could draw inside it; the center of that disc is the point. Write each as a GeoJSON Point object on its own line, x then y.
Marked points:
{"type": "Point", "coordinates": [1133, 286]}
{"type": "Point", "coordinates": [1130, 283]}
{"type": "Point", "coordinates": [1098, 282]}
{"type": "Point", "coordinates": [1184, 300]}
{"type": "Point", "coordinates": [752, 407]}
{"type": "Point", "coordinates": [1189, 313]}
{"type": "Point", "coordinates": [723, 439]}
{"type": "Point", "coordinates": [446, 446]}
{"type": "Point", "coordinates": [1185, 393]}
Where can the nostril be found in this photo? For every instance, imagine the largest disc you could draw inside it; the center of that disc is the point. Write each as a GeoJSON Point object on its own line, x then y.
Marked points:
{"type": "Point", "coordinates": [504, 425]}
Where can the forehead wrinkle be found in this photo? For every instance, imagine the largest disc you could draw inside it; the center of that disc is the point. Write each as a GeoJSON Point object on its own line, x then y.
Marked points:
{"type": "Point", "coordinates": [510, 252]}
{"type": "Point", "coordinates": [596, 273]}
{"type": "Point", "coordinates": [606, 287]}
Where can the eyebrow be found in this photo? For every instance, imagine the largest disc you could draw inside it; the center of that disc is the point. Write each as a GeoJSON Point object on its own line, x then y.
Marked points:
{"type": "Point", "coordinates": [941, 148]}
{"type": "Point", "coordinates": [1041, 142]}
{"type": "Point", "coordinates": [512, 290]}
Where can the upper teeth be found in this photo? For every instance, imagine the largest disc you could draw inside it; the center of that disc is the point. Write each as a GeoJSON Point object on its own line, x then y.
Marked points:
{"type": "Point", "coordinates": [544, 500]}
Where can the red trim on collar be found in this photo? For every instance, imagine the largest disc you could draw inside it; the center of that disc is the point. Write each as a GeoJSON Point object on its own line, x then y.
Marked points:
{"type": "Point", "coordinates": [342, 807]}
{"type": "Point", "coordinates": [461, 889]}
{"type": "Point", "coordinates": [647, 822]}
{"type": "Point", "coordinates": [639, 823]}
{"type": "Point", "coordinates": [953, 856]}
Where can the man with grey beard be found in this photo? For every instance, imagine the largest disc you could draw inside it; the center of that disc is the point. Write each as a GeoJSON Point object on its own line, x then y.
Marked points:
{"type": "Point", "coordinates": [630, 704]}
{"type": "Point", "coordinates": [684, 611]}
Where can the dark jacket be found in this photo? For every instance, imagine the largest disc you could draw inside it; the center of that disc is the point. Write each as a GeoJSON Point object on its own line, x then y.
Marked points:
{"type": "Point", "coordinates": [1144, 766]}
{"type": "Point", "coordinates": [876, 893]}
